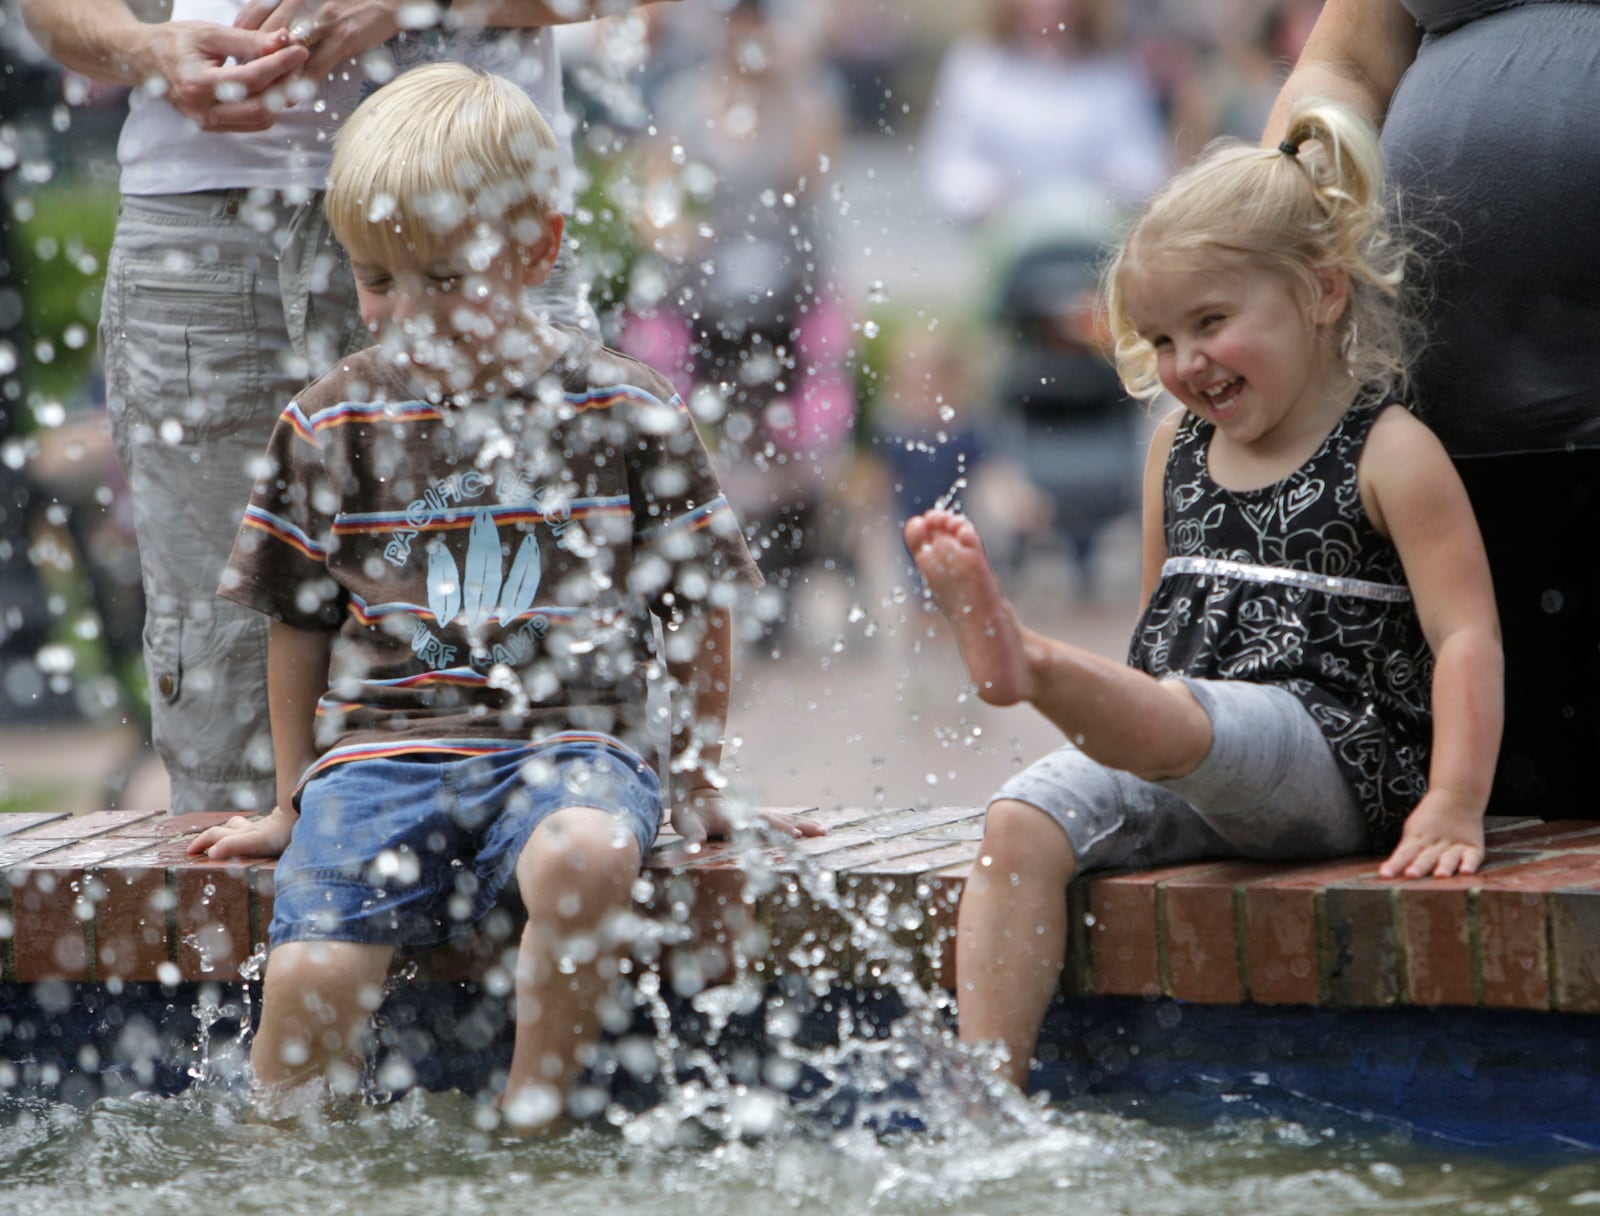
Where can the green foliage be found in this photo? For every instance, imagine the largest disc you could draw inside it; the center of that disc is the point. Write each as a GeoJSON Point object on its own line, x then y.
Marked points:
{"type": "Point", "coordinates": [884, 332]}
{"type": "Point", "coordinates": [601, 225]}
{"type": "Point", "coordinates": [62, 233]}
{"type": "Point", "coordinates": [32, 799]}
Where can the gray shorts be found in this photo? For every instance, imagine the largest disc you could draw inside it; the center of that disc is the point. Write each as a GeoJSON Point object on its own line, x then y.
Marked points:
{"type": "Point", "coordinates": [219, 306]}
{"type": "Point", "coordinates": [1269, 788]}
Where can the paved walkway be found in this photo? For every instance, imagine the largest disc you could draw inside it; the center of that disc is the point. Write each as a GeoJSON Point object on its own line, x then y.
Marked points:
{"type": "Point", "coordinates": [863, 706]}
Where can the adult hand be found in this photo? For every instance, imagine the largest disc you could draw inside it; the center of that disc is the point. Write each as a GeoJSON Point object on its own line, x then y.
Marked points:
{"type": "Point", "coordinates": [242, 836]}
{"type": "Point", "coordinates": [332, 30]}
{"type": "Point", "coordinates": [225, 79]}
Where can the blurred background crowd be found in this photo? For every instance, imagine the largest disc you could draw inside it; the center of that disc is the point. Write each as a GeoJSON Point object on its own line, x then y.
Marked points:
{"type": "Point", "coordinates": [862, 236]}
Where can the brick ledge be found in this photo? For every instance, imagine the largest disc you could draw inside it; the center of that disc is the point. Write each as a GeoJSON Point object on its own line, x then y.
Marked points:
{"type": "Point", "coordinates": [110, 897]}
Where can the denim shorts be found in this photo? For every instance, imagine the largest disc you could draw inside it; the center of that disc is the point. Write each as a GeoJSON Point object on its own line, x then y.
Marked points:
{"type": "Point", "coordinates": [413, 850]}
{"type": "Point", "coordinates": [1269, 788]}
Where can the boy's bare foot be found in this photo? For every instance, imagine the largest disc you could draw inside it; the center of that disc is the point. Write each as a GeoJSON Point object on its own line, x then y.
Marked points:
{"type": "Point", "coordinates": [950, 556]}
{"type": "Point", "coordinates": [534, 1110]}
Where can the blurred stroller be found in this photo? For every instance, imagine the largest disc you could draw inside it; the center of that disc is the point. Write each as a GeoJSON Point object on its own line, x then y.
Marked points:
{"type": "Point", "coordinates": [1064, 418]}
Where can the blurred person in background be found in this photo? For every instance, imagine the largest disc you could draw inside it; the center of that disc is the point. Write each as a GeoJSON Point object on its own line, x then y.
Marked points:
{"type": "Point", "coordinates": [869, 45]}
{"type": "Point", "coordinates": [1042, 131]}
{"type": "Point", "coordinates": [226, 292]}
{"type": "Point", "coordinates": [1232, 86]}
{"type": "Point", "coordinates": [733, 207]}
{"type": "Point", "coordinates": [65, 505]}
{"type": "Point", "coordinates": [1045, 98]}
{"type": "Point", "coordinates": [1491, 133]}
{"type": "Point", "coordinates": [932, 444]}
{"type": "Point", "coordinates": [27, 88]}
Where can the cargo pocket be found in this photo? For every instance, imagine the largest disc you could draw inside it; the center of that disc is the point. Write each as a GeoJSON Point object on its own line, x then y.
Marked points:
{"type": "Point", "coordinates": [208, 693]}
{"type": "Point", "coordinates": [191, 351]}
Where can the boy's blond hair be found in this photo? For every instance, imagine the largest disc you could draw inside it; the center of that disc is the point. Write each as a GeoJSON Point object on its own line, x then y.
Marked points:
{"type": "Point", "coordinates": [1314, 203]}
{"type": "Point", "coordinates": [434, 158]}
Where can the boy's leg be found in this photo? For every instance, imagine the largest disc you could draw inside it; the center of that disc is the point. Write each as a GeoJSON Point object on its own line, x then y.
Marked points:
{"type": "Point", "coordinates": [319, 993]}
{"type": "Point", "coordinates": [317, 1003]}
{"type": "Point", "coordinates": [577, 868]}
{"type": "Point", "coordinates": [1119, 716]}
{"type": "Point", "coordinates": [1011, 934]}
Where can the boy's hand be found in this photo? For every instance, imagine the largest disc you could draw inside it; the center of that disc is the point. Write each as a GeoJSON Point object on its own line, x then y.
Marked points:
{"type": "Point", "coordinates": [701, 814]}
{"type": "Point", "coordinates": [1443, 836]}
{"type": "Point", "coordinates": [242, 836]}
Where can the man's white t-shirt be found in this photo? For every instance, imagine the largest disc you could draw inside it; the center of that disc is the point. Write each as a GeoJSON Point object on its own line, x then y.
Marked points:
{"type": "Point", "coordinates": [162, 152]}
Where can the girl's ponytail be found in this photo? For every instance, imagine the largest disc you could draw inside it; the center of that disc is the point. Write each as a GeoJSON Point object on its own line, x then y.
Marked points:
{"type": "Point", "coordinates": [1346, 166]}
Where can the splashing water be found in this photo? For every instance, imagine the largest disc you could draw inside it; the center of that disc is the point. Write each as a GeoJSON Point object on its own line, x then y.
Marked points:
{"type": "Point", "coordinates": [781, 1082]}
{"type": "Point", "coordinates": [207, 1152]}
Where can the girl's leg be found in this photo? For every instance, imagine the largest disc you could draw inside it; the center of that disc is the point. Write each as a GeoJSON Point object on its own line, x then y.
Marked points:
{"type": "Point", "coordinates": [577, 868]}
{"type": "Point", "coordinates": [1066, 814]}
{"type": "Point", "coordinates": [1119, 716]}
{"type": "Point", "coordinates": [316, 1010]}
{"type": "Point", "coordinates": [1270, 786]}
{"type": "Point", "coordinates": [1011, 935]}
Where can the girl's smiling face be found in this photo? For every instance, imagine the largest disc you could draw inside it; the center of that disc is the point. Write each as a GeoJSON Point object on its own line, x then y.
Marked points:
{"type": "Point", "coordinates": [1246, 349]}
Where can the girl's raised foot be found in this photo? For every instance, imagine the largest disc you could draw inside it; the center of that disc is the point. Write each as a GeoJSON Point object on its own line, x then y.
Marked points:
{"type": "Point", "coordinates": [950, 556]}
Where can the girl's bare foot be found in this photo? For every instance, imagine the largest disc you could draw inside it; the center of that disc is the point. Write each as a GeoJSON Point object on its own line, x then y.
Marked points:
{"type": "Point", "coordinates": [950, 556]}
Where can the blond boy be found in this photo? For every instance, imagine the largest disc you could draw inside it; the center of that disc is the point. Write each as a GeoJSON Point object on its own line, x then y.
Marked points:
{"type": "Point", "coordinates": [462, 535]}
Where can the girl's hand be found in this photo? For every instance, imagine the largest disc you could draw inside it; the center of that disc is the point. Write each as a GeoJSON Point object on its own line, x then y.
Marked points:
{"type": "Point", "coordinates": [1443, 836]}
{"type": "Point", "coordinates": [242, 836]}
{"type": "Point", "coordinates": [701, 814]}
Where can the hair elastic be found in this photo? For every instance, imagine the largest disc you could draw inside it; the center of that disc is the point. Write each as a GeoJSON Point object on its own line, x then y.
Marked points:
{"type": "Point", "coordinates": [1289, 149]}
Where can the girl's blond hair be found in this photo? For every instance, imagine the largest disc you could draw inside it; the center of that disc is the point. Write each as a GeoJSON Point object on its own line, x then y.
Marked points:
{"type": "Point", "coordinates": [1315, 203]}
{"type": "Point", "coordinates": [434, 156]}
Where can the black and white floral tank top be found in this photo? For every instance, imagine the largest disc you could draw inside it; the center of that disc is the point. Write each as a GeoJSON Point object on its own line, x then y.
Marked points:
{"type": "Point", "coordinates": [1292, 585]}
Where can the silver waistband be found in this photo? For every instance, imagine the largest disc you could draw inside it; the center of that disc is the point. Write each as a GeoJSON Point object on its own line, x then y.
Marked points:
{"type": "Point", "coordinates": [1361, 588]}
